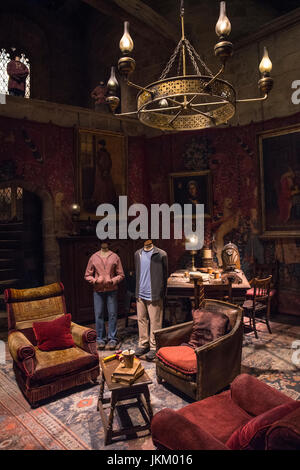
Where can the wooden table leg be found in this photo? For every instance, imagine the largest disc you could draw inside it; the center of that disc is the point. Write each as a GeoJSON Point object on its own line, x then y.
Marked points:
{"type": "Point", "coordinates": [101, 389]}
{"type": "Point", "coordinates": [148, 401]}
{"type": "Point", "coordinates": [108, 437]}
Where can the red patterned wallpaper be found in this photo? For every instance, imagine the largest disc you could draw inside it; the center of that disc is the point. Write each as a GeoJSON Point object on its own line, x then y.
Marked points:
{"type": "Point", "coordinates": [233, 161]}
{"type": "Point", "coordinates": [43, 155]}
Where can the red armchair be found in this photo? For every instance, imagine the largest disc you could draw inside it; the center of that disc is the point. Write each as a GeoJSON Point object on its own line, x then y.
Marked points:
{"type": "Point", "coordinates": [210, 423]}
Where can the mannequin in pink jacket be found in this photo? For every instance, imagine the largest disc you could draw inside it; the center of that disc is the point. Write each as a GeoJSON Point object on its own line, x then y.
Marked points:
{"type": "Point", "coordinates": [104, 271]}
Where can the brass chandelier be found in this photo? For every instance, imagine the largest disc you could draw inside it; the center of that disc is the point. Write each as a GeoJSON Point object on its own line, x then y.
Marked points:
{"type": "Point", "coordinates": [180, 101]}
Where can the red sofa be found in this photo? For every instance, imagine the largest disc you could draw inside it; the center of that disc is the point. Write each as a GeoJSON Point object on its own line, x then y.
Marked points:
{"type": "Point", "coordinates": [216, 422]}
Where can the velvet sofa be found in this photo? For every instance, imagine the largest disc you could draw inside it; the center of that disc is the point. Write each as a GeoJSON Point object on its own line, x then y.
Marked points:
{"type": "Point", "coordinates": [215, 422]}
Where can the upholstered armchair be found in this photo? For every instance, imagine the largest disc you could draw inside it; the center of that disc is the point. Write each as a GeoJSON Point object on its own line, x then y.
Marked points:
{"type": "Point", "coordinates": [42, 374]}
{"type": "Point", "coordinates": [206, 370]}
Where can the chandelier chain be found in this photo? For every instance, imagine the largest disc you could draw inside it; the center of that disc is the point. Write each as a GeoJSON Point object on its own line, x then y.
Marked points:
{"type": "Point", "coordinates": [189, 45]}
{"type": "Point", "coordinates": [192, 58]}
{"type": "Point", "coordinates": [179, 62]}
{"type": "Point", "coordinates": [171, 61]}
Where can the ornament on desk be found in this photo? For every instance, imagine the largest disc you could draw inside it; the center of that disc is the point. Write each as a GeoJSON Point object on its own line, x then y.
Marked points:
{"type": "Point", "coordinates": [231, 257]}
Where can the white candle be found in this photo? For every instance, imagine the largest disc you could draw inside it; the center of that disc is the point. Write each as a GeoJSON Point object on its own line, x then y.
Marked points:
{"type": "Point", "coordinates": [206, 253]}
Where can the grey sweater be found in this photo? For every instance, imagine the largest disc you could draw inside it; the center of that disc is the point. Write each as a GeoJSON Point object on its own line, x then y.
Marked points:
{"type": "Point", "coordinates": [158, 272]}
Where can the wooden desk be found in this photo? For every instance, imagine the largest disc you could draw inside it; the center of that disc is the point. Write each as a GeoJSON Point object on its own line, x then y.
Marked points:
{"type": "Point", "coordinates": [214, 289]}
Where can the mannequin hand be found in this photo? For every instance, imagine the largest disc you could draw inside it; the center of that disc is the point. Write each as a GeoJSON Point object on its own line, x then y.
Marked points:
{"type": "Point", "coordinates": [99, 282]}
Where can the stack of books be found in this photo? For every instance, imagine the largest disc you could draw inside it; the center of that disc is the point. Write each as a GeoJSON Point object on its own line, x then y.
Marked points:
{"type": "Point", "coordinates": [127, 376]}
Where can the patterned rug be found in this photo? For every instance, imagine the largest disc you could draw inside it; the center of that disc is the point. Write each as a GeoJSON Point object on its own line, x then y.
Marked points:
{"type": "Point", "coordinates": [71, 421]}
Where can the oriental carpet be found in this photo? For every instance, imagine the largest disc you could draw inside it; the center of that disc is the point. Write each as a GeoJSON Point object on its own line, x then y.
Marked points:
{"type": "Point", "coordinates": [71, 421]}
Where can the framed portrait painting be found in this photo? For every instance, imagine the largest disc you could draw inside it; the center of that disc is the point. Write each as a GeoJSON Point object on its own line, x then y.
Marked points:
{"type": "Point", "coordinates": [101, 169]}
{"type": "Point", "coordinates": [192, 188]}
{"type": "Point", "coordinates": [279, 159]}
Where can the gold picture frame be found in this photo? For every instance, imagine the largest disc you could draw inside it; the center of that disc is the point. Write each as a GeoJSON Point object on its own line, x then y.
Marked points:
{"type": "Point", "coordinates": [101, 169]}
{"type": "Point", "coordinates": [279, 170]}
{"type": "Point", "coordinates": [191, 188]}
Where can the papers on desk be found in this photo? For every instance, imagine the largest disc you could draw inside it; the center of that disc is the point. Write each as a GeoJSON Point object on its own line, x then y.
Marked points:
{"type": "Point", "coordinates": [204, 276]}
{"type": "Point", "coordinates": [181, 277]}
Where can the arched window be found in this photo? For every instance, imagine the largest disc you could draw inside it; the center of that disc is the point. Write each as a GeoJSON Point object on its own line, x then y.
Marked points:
{"type": "Point", "coordinates": [4, 59]}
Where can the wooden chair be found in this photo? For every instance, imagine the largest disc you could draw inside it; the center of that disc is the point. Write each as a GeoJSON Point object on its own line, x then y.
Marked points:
{"type": "Point", "coordinates": [260, 303]}
{"type": "Point", "coordinates": [132, 314]}
{"type": "Point", "coordinates": [262, 271]}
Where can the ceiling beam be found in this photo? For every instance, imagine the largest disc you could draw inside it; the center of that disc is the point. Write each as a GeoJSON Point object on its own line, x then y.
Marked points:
{"type": "Point", "coordinates": [126, 12]}
{"type": "Point", "coordinates": [154, 20]}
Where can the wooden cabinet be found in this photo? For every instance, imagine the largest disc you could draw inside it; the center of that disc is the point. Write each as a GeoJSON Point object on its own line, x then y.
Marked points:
{"type": "Point", "coordinates": [74, 255]}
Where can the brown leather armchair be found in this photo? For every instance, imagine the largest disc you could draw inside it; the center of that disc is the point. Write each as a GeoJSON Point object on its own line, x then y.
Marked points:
{"type": "Point", "coordinates": [216, 364]}
{"type": "Point", "coordinates": [42, 374]}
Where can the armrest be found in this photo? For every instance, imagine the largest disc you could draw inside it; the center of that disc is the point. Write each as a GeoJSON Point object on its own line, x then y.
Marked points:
{"type": "Point", "coordinates": [219, 361]}
{"type": "Point", "coordinates": [170, 430]}
{"type": "Point", "coordinates": [84, 338]}
{"type": "Point", "coordinates": [20, 347]}
{"type": "Point", "coordinates": [173, 335]}
{"type": "Point", "coordinates": [285, 433]}
{"type": "Point", "coordinates": [254, 396]}
{"type": "Point", "coordinates": [22, 351]}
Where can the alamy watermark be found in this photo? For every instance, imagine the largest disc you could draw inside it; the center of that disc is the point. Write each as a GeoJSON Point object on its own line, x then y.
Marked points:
{"type": "Point", "coordinates": [296, 352]}
{"type": "Point", "coordinates": [2, 353]}
{"type": "Point", "coordinates": [188, 221]}
{"type": "Point", "coordinates": [296, 93]}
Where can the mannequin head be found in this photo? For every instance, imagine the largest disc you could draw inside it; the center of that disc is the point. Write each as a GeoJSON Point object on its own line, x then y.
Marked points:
{"type": "Point", "coordinates": [104, 246]}
{"type": "Point", "coordinates": [148, 245]}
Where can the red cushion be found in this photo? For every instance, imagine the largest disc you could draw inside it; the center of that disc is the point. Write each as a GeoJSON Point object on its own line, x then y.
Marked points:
{"type": "Point", "coordinates": [55, 334]}
{"type": "Point", "coordinates": [208, 326]}
{"type": "Point", "coordinates": [250, 292]}
{"type": "Point", "coordinates": [251, 436]}
{"type": "Point", "coordinates": [181, 358]}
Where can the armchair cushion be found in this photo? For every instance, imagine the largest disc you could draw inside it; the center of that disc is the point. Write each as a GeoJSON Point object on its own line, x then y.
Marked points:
{"type": "Point", "coordinates": [52, 365]}
{"type": "Point", "coordinates": [252, 435]}
{"type": "Point", "coordinates": [180, 358]}
{"type": "Point", "coordinates": [207, 327]}
{"type": "Point", "coordinates": [55, 334]}
{"type": "Point", "coordinates": [218, 415]}
{"type": "Point", "coordinates": [190, 436]}
{"type": "Point", "coordinates": [250, 293]}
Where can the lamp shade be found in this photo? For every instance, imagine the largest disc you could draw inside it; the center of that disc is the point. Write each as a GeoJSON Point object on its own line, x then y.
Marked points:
{"type": "Point", "coordinates": [223, 26]}
{"type": "Point", "coordinates": [126, 42]}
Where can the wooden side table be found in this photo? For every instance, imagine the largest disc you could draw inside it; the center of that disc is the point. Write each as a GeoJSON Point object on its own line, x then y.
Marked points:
{"type": "Point", "coordinates": [119, 393]}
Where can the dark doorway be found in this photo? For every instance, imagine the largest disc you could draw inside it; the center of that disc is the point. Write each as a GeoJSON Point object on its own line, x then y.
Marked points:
{"type": "Point", "coordinates": [21, 238]}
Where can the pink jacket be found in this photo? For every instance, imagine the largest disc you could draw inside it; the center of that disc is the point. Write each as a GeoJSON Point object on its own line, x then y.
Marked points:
{"type": "Point", "coordinates": [104, 273]}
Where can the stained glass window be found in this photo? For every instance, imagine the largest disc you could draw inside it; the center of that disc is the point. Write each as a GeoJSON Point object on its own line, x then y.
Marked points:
{"type": "Point", "coordinates": [11, 203]}
{"type": "Point", "coordinates": [4, 59]}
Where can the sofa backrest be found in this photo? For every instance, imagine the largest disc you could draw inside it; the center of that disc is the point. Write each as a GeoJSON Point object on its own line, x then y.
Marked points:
{"type": "Point", "coordinates": [24, 306]}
